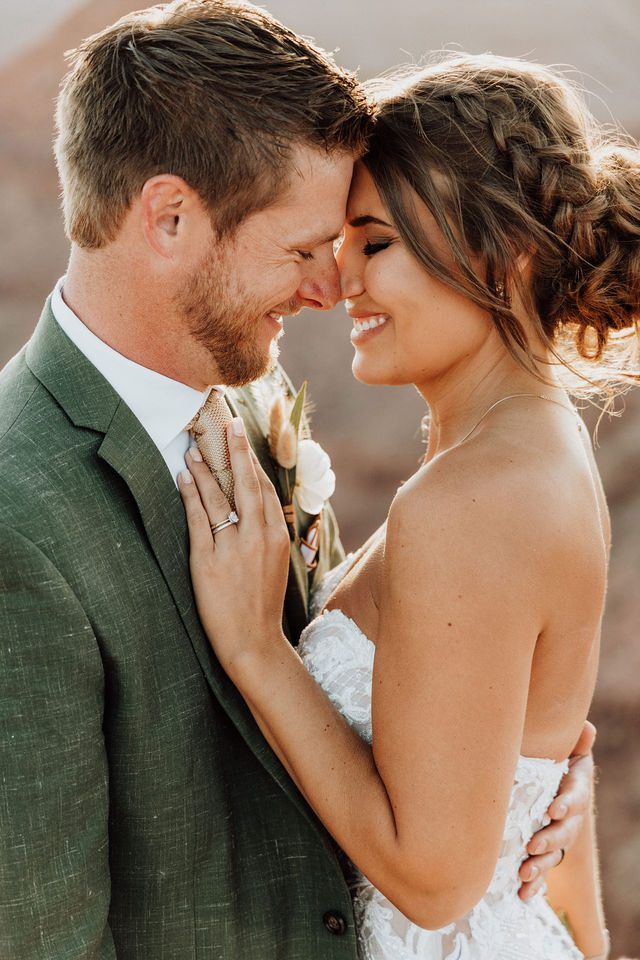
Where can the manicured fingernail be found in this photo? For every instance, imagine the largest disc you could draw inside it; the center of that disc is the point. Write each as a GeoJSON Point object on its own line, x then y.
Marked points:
{"type": "Point", "coordinates": [561, 811]}
{"type": "Point", "coordinates": [195, 454]}
{"type": "Point", "coordinates": [186, 477]}
{"type": "Point", "coordinates": [237, 427]}
{"type": "Point", "coordinates": [539, 846]}
{"type": "Point", "coordinates": [532, 873]}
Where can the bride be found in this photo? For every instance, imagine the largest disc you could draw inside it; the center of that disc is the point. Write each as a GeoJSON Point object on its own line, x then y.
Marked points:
{"type": "Point", "coordinates": [491, 249]}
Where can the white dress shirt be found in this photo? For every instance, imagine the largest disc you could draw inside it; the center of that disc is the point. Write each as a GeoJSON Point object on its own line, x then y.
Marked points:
{"type": "Point", "coordinates": [163, 406]}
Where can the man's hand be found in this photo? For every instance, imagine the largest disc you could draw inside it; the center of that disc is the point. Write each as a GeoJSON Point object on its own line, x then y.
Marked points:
{"type": "Point", "coordinates": [567, 813]}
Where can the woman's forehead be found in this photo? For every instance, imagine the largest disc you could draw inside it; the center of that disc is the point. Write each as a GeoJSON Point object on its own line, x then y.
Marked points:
{"type": "Point", "coordinates": [364, 199]}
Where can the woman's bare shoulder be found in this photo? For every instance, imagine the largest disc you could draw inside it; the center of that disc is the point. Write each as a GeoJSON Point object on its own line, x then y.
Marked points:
{"type": "Point", "coordinates": [466, 478]}
{"type": "Point", "coordinates": [492, 500]}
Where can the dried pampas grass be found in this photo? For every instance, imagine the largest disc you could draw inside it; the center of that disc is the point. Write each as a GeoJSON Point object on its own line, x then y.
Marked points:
{"type": "Point", "coordinates": [282, 437]}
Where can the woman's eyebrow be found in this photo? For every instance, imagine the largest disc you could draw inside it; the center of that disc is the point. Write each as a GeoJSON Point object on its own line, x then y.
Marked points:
{"type": "Point", "coordinates": [363, 221]}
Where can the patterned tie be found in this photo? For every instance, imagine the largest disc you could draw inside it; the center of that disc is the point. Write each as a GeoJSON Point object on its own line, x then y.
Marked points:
{"type": "Point", "coordinates": [209, 430]}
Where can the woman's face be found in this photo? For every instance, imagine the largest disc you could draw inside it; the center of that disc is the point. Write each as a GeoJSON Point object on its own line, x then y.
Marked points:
{"type": "Point", "coordinates": [419, 328]}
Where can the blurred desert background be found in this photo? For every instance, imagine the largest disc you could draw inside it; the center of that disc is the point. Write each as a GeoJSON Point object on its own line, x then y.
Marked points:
{"type": "Point", "coordinates": [373, 434]}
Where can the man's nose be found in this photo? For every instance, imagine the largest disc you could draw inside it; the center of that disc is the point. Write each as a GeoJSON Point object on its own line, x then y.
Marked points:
{"type": "Point", "coordinates": [320, 288]}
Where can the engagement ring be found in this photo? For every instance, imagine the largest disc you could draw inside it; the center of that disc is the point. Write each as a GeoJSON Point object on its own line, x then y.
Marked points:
{"type": "Point", "coordinates": [229, 522]}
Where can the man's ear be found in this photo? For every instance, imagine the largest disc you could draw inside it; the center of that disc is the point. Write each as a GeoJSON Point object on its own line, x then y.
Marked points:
{"type": "Point", "coordinates": [165, 204]}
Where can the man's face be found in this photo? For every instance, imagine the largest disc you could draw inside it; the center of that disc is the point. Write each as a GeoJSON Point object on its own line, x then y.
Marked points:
{"type": "Point", "coordinates": [279, 261]}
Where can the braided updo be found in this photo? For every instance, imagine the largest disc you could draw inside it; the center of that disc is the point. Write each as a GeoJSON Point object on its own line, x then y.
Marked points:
{"type": "Point", "coordinates": [508, 160]}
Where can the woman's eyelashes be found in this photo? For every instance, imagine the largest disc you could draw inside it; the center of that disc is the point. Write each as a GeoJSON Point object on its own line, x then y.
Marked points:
{"type": "Point", "coordinates": [372, 247]}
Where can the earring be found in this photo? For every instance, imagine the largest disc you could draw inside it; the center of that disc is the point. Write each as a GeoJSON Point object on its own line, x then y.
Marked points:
{"type": "Point", "coordinates": [501, 292]}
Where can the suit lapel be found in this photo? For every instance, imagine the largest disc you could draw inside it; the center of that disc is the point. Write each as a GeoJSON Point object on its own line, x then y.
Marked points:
{"type": "Point", "coordinates": [129, 451]}
{"type": "Point", "coordinates": [90, 402]}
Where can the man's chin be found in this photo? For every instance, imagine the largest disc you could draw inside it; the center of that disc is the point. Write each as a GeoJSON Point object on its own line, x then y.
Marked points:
{"type": "Point", "coordinates": [253, 369]}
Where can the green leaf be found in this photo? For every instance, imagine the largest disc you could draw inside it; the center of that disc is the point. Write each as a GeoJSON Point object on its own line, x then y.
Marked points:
{"type": "Point", "coordinates": [298, 408]}
{"type": "Point", "coordinates": [291, 481]}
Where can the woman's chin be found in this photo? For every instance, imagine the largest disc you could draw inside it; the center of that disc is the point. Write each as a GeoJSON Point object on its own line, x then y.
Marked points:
{"type": "Point", "coordinates": [373, 374]}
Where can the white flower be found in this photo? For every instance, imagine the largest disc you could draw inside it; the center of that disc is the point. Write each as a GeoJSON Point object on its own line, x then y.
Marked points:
{"type": "Point", "coordinates": [315, 480]}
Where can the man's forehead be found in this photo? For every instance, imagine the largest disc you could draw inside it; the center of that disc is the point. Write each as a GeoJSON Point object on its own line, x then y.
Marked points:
{"type": "Point", "coordinates": [311, 210]}
{"type": "Point", "coordinates": [311, 164]}
{"type": "Point", "coordinates": [316, 238]}
{"type": "Point", "coordinates": [310, 224]}
{"type": "Point", "coordinates": [320, 180]}
{"type": "Point", "coordinates": [289, 217]}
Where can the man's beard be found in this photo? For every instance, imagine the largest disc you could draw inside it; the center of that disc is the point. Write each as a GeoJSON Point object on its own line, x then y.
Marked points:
{"type": "Point", "coordinates": [224, 319]}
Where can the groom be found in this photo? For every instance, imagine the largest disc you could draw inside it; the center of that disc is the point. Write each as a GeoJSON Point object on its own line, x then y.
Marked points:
{"type": "Point", "coordinates": [205, 155]}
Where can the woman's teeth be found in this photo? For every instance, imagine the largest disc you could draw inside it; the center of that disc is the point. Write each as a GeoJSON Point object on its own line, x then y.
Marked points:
{"type": "Point", "coordinates": [370, 323]}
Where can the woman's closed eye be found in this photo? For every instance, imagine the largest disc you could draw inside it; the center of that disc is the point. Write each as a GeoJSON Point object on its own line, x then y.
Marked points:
{"type": "Point", "coordinates": [372, 247]}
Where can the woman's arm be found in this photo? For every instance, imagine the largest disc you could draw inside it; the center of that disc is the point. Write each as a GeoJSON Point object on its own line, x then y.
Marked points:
{"type": "Point", "coordinates": [423, 814]}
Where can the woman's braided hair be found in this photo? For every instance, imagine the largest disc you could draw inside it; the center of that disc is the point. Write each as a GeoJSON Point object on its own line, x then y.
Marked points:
{"type": "Point", "coordinates": [508, 160]}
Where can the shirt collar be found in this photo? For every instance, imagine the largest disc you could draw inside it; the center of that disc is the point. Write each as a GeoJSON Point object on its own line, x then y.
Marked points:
{"type": "Point", "coordinates": [163, 406]}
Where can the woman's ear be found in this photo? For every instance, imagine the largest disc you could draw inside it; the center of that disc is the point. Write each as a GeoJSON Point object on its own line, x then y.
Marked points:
{"type": "Point", "coordinates": [523, 264]}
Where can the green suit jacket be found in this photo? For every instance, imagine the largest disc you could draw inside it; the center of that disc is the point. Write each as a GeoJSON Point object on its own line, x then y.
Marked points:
{"type": "Point", "coordinates": [142, 814]}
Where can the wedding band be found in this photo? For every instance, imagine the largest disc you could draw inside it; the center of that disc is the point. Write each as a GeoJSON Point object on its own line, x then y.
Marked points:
{"type": "Point", "coordinates": [232, 519]}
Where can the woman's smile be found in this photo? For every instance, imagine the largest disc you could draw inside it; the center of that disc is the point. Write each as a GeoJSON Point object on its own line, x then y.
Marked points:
{"type": "Point", "coordinates": [367, 326]}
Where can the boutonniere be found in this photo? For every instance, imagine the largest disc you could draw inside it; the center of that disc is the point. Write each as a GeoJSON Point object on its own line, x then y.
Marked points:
{"type": "Point", "coordinates": [305, 470]}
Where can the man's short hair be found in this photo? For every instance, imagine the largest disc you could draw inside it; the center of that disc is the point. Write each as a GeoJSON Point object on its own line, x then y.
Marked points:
{"type": "Point", "coordinates": [214, 92]}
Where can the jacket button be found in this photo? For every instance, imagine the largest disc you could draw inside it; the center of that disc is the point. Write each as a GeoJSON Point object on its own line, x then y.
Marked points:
{"type": "Point", "coordinates": [335, 923]}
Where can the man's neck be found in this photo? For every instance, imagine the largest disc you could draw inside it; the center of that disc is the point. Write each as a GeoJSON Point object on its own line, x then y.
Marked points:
{"type": "Point", "coordinates": [119, 306]}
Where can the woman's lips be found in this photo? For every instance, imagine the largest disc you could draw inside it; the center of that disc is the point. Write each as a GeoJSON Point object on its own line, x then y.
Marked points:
{"type": "Point", "coordinates": [366, 327]}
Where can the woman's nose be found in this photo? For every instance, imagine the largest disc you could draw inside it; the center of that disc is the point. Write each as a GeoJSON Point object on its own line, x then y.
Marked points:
{"type": "Point", "coordinates": [351, 284]}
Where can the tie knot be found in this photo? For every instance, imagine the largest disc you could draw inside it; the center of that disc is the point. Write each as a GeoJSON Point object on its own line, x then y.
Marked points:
{"type": "Point", "coordinates": [213, 413]}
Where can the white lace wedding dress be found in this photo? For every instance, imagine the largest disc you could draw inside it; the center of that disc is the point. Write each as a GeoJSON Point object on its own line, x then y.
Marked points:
{"type": "Point", "coordinates": [501, 926]}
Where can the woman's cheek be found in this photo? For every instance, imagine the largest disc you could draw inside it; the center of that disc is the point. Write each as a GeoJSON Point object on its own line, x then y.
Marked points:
{"type": "Point", "coordinates": [387, 280]}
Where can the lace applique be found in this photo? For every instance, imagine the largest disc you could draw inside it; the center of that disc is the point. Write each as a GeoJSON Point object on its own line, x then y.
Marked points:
{"type": "Point", "coordinates": [341, 662]}
{"type": "Point", "coordinates": [501, 926]}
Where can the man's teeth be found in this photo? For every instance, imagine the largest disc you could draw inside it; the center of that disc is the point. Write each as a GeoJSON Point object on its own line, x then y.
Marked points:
{"type": "Point", "coordinates": [370, 323]}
